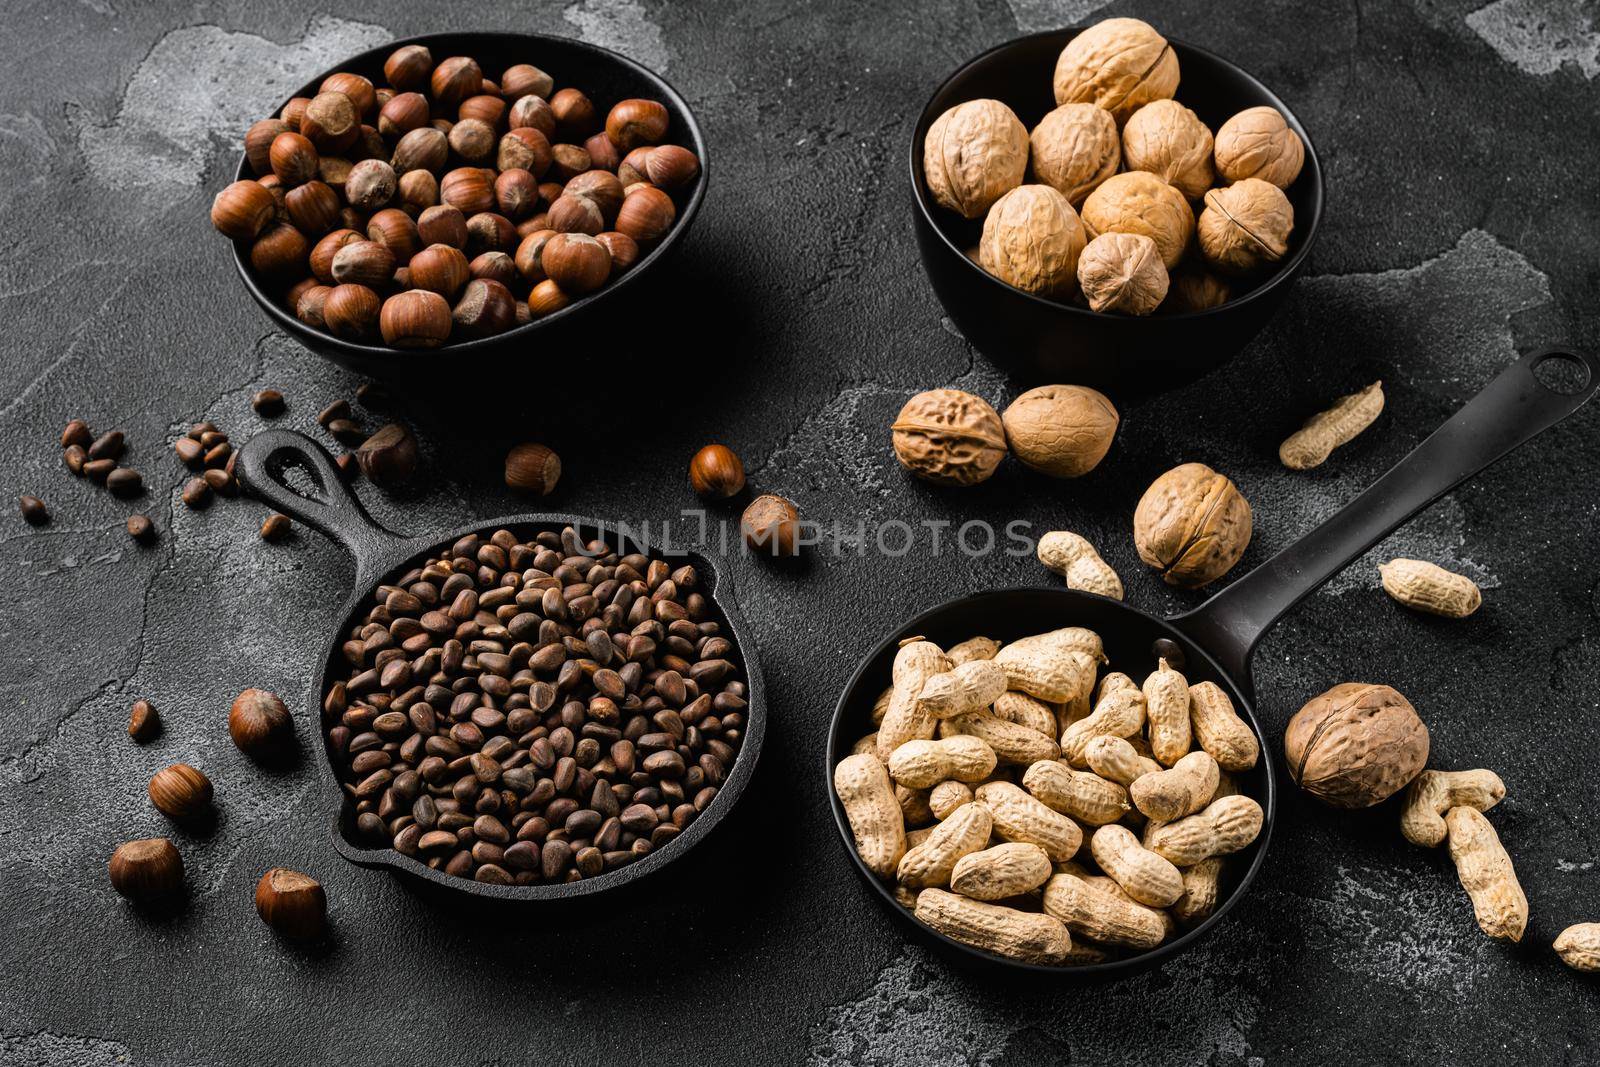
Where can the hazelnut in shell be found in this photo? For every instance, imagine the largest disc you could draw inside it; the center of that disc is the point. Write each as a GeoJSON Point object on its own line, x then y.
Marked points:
{"type": "Point", "coordinates": [363, 263]}
{"type": "Point", "coordinates": [242, 210]}
{"type": "Point", "coordinates": [1191, 525]}
{"type": "Point", "coordinates": [1032, 238]}
{"type": "Point", "coordinates": [357, 88]}
{"type": "Point", "coordinates": [351, 311]}
{"type": "Point", "coordinates": [532, 468]}
{"type": "Point", "coordinates": [408, 68]}
{"type": "Point", "coordinates": [1122, 272]}
{"type": "Point", "coordinates": [146, 871]}
{"type": "Point", "coordinates": [473, 140]}
{"type": "Point", "coordinates": [180, 792]}
{"type": "Point", "coordinates": [331, 122]}
{"type": "Point", "coordinates": [576, 214]}
{"type": "Point", "coordinates": [529, 256]}
{"type": "Point", "coordinates": [455, 79]}
{"type": "Point", "coordinates": [516, 193]}
{"type": "Point", "coordinates": [576, 262]}
{"type": "Point", "coordinates": [416, 318]}
{"type": "Point", "coordinates": [293, 158]}
{"type": "Point", "coordinates": [1075, 148]}
{"type": "Point", "coordinates": [442, 224]}
{"type": "Point", "coordinates": [467, 189]}
{"type": "Point", "coordinates": [258, 143]}
{"type": "Point", "coordinates": [771, 526]}
{"type": "Point", "coordinates": [389, 457]}
{"type": "Point", "coordinates": [624, 250]}
{"type": "Point", "coordinates": [313, 208]}
{"type": "Point", "coordinates": [394, 230]}
{"type": "Point", "coordinates": [1168, 140]}
{"type": "Point", "coordinates": [716, 473]}
{"type": "Point", "coordinates": [636, 122]}
{"type": "Point", "coordinates": [532, 112]}
{"type": "Point", "coordinates": [523, 79]}
{"type": "Point", "coordinates": [293, 904]}
{"type": "Point", "coordinates": [1118, 64]}
{"type": "Point", "coordinates": [486, 308]}
{"type": "Point", "coordinates": [1245, 227]}
{"type": "Point", "coordinates": [485, 108]}
{"type": "Point", "coordinates": [403, 113]}
{"type": "Point", "coordinates": [260, 725]}
{"type": "Point", "coordinates": [419, 190]}
{"type": "Point", "coordinates": [524, 148]}
{"type": "Point", "coordinates": [646, 213]}
{"type": "Point", "coordinates": [1061, 430]}
{"type": "Point", "coordinates": [371, 185]}
{"type": "Point", "coordinates": [1356, 745]}
{"type": "Point", "coordinates": [424, 148]}
{"type": "Point", "coordinates": [546, 298]}
{"type": "Point", "coordinates": [323, 252]}
{"type": "Point", "coordinates": [949, 437]}
{"type": "Point", "coordinates": [972, 155]}
{"type": "Point", "coordinates": [1258, 143]}
{"type": "Point", "coordinates": [671, 167]}
{"type": "Point", "coordinates": [574, 113]}
{"type": "Point", "coordinates": [1137, 201]}
{"type": "Point", "coordinates": [280, 254]}
{"type": "Point", "coordinates": [603, 155]}
{"type": "Point", "coordinates": [600, 186]}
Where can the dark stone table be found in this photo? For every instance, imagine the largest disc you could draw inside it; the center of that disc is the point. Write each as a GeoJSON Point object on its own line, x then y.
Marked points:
{"type": "Point", "coordinates": [1459, 149]}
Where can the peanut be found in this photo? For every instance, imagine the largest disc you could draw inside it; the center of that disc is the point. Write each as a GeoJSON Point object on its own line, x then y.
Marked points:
{"type": "Point", "coordinates": [867, 745]}
{"type": "Point", "coordinates": [924, 764]}
{"type": "Point", "coordinates": [917, 836]}
{"type": "Point", "coordinates": [1183, 790]}
{"type": "Point", "coordinates": [1436, 792]}
{"type": "Point", "coordinates": [1487, 874]}
{"type": "Point", "coordinates": [1166, 708]}
{"type": "Point", "coordinates": [1199, 898]}
{"type": "Point", "coordinates": [947, 797]}
{"type": "Point", "coordinates": [1116, 760]}
{"type": "Point", "coordinates": [973, 648]}
{"type": "Point", "coordinates": [906, 898]}
{"type": "Point", "coordinates": [1006, 870]}
{"type": "Point", "coordinates": [1430, 588]}
{"type": "Point", "coordinates": [1011, 743]}
{"type": "Point", "coordinates": [1100, 914]}
{"type": "Point", "coordinates": [1119, 713]}
{"type": "Point", "coordinates": [1070, 711]}
{"type": "Point", "coordinates": [1022, 935]}
{"type": "Point", "coordinates": [1579, 946]}
{"type": "Point", "coordinates": [1023, 710]}
{"type": "Point", "coordinates": [881, 706]}
{"type": "Point", "coordinates": [1142, 874]}
{"type": "Point", "coordinates": [1224, 826]}
{"type": "Point", "coordinates": [1053, 666]}
{"type": "Point", "coordinates": [1310, 445]}
{"type": "Point", "coordinates": [1076, 560]}
{"type": "Point", "coordinates": [914, 807]}
{"type": "Point", "coordinates": [1219, 730]}
{"type": "Point", "coordinates": [929, 863]}
{"type": "Point", "coordinates": [904, 720]}
{"type": "Point", "coordinates": [1083, 795]}
{"type": "Point", "coordinates": [862, 784]}
{"type": "Point", "coordinates": [970, 687]}
{"type": "Point", "coordinates": [1021, 817]}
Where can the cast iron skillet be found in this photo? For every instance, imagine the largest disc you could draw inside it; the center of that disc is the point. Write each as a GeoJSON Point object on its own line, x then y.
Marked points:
{"type": "Point", "coordinates": [1218, 637]}
{"type": "Point", "coordinates": [605, 77]}
{"type": "Point", "coordinates": [263, 466]}
{"type": "Point", "coordinates": [1043, 340]}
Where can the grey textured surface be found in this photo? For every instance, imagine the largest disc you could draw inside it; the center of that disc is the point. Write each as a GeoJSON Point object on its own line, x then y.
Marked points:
{"type": "Point", "coordinates": [1458, 144]}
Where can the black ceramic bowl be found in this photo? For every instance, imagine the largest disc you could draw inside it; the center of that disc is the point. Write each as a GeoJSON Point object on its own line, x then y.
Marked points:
{"type": "Point", "coordinates": [606, 78]}
{"type": "Point", "coordinates": [1043, 340]}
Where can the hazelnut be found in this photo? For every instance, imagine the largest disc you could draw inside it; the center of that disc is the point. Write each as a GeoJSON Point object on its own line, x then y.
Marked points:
{"type": "Point", "coordinates": [394, 230]}
{"type": "Point", "coordinates": [260, 725]}
{"type": "Point", "coordinates": [1122, 272]}
{"type": "Point", "coordinates": [1194, 288]}
{"type": "Point", "coordinates": [408, 68]}
{"type": "Point", "coordinates": [524, 148]}
{"type": "Point", "coordinates": [144, 722]}
{"type": "Point", "coordinates": [1032, 238]}
{"type": "Point", "coordinates": [525, 78]}
{"type": "Point", "coordinates": [442, 224]}
{"type": "Point", "coordinates": [422, 149]}
{"type": "Point", "coordinates": [671, 167]}
{"type": "Point", "coordinates": [516, 193]}
{"type": "Point", "coordinates": [974, 154]}
{"type": "Point", "coordinates": [416, 318]}
{"type": "Point", "coordinates": [440, 269]}
{"type": "Point", "coordinates": [530, 252]}
{"type": "Point", "coordinates": [297, 291]}
{"type": "Point", "coordinates": [1245, 227]}
{"type": "Point", "coordinates": [311, 305]}
{"type": "Point", "coordinates": [574, 113]}
{"type": "Point", "coordinates": [363, 263]}
{"type": "Point", "coordinates": [603, 155]}
{"type": "Point", "coordinates": [600, 186]}
{"type": "Point", "coordinates": [949, 437]}
{"type": "Point", "coordinates": [473, 140]}
{"type": "Point", "coordinates": [716, 473]}
{"type": "Point", "coordinates": [455, 79]}
{"type": "Point", "coordinates": [634, 166]}
{"type": "Point", "coordinates": [313, 208]}
{"type": "Point", "coordinates": [532, 112]}
{"type": "Point", "coordinates": [371, 185]}
{"type": "Point", "coordinates": [488, 232]}
{"type": "Point", "coordinates": [1118, 64]}
{"type": "Point", "coordinates": [1168, 140]}
{"type": "Point", "coordinates": [771, 524]}
{"type": "Point", "coordinates": [419, 190]}
{"type": "Point", "coordinates": [1192, 525]}
{"type": "Point", "coordinates": [484, 108]}
{"type": "Point", "coordinates": [334, 172]}
{"type": "Point", "coordinates": [293, 158]}
{"type": "Point", "coordinates": [486, 308]}
{"type": "Point", "coordinates": [1061, 430]}
{"type": "Point", "coordinates": [576, 214]}
{"type": "Point", "coordinates": [494, 266]}
{"type": "Point", "coordinates": [279, 254]}
{"type": "Point", "coordinates": [331, 123]}
{"type": "Point", "coordinates": [624, 250]}
{"type": "Point", "coordinates": [293, 904]}
{"type": "Point", "coordinates": [369, 145]}
{"type": "Point", "coordinates": [293, 110]}
{"type": "Point", "coordinates": [324, 251]}
{"type": "Point", "coordinates": [576, 262]}
{"type": "Point", "coordinates": [635, 122]}
{"type": "Point", "coordinates": [402, 114]}
{"type": "Point", "coordinates": [1258, 143]}
{"type": "Point", "coordinates": [242, 210]}
{"type": "Point", "coordinates": [567, 161]}
{"type": "Point", "coordinates": [389, 457]}
{"type": "Point", "coordinates": [1356, 745]}
{"type": "Point", "coordinates": [147, 870]}
{"type": "Point", "coordinates": [646, 213]}
{"type": "Point", "coordinates": [351, 312]}
{"type": "Point", "coordinates": [180, 792]}
{"type": "Point", "coordinates": [1139, 202]}
{"type": "Point", "coordinates": [547, 298]}
{"type": "Point", "coordinates": [469, 189]}
{"type": "Point", "coordinates": [532, 468]}
{"type": "Point", "coordinates": [1074, 149]}
{"type": "Point", "coordinates": [258, 143]}
{"type": "Point", "coordinates": [358, 89]}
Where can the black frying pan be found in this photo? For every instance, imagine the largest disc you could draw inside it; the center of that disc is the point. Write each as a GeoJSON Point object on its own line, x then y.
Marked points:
{"type": "Point", "coordinates": [1218, 638]}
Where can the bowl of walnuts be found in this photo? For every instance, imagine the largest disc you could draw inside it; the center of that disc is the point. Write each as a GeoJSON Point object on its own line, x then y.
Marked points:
{"type": "Point", "coordinates": [469, 191]}
{"type": "Point", "coordinates": [1111, 207]}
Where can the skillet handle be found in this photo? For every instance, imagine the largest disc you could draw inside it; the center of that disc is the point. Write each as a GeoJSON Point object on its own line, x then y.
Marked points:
{"type": "Point", "coordinates": [1514, 407]}
{"type": "Point", "coordinates": [264, 463]}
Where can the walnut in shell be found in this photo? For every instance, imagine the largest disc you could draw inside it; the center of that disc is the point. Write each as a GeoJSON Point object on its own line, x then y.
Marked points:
{"type": "Point", "coordinates": [1245, 226]}
{"type": "Point", "coordinates": [1258, 143]}
{"type": "Point", "coordinates": [974, 154]}
{"type": "Point", "coordinates": [1031, 239]}
{"type": "Point", "coordinates": [1122, 272]}
{"type": "Point", "coordinates": [1193, 288]}
{"type": "Point", "coordinates": [1118, 64]}
{"type": "Point", "coordinates": [1075, 148]}
{"type": "Point", "coordinates": [1356, 745]}
{"type": "Point", "coordinates": [1192, 525]}
{"type": "Point", "coordinates": [1168, 140]}
{"type": "Point", "coordinates": [950, 437]}
{"type": "Point", "coordinates": [1061, 430]}
{"type": "Point", "coordinates": [1137, 201]}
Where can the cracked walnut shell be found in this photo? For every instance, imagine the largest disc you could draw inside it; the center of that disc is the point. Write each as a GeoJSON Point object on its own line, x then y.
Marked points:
{"type": "Point", "coordinates": [1122, 272]}
{"type": "Point", "coordinates": [1245, 226]}
{"type": "Point", "coordinates": [1118, 64]}
{"type": "Point", "coordinates": [949, 437]}
{"type": "Point", "coordinates": [1032, 238]}
{"type": "Point", "coordinates": [1137, 201]}
{"type": "Point", "coordinates": [1075, 148]}
{"type": "Point", "coordinates": [1192, 525]}
{"type": "Point", "coordinates": [973, 154]}
{"type": "Point", "coordinates": [1258, 143]}
{"type": "Point", "coordinates": [1356, 745]}
{"type": "Point", "coordinates": [1168, 140]}
{"type": "Point", "coordinates": [1061, 430]}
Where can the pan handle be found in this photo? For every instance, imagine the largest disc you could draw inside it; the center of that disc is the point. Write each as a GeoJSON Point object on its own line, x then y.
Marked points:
{"type": "Point", "coordinates": [1515, 406]}
{"type": "Point", "coordinates": [264, 463]}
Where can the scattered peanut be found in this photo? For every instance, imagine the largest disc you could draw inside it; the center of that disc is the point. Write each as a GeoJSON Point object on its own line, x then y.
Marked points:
{"type": "Point", "coordinates": [923, 764]}
{"type": "Point", "coordinates": [1076, 560]}
{"type": "Point", "coordinates": [930, 863]}
{"type": "Point", "coordinates": [1007, 870]}
{"type": "Point", "coordinates": [1579, 946]}
{"type": "Point", "coordinates": [1083, 795]}
{"type": "Point", "coordinates": [862, 784]}
{"type": "Point", "coordinates": [1166, 703]}
{"type": "Point", "coordinates": [1024, 710]}
{"type": "Point", "coordinates": [946, 797]}
{"type": "Point", "coordinates": [1487, 874]}
{"type": "Point", "coordinates": [1183, 790]}
{"type": "Point", "coordinates": [1199, 892]}
{"type": "Point", "coordinates": [1219, 730]}
{"type": "Point", "coordinates": [1435, 792]}
{"type": "Point", "coordinates": [1142, 874]}
{"type": "Point", "coordinates": [1021, 817]}
{"type": "Point", "coordinates": [1101, 915]}
{"type": "Point", "coordinates": [1119, 712]}
{"type": "Point", "coordinates": [1116, 760]}
{"type": "Point", "coordinates": [1223, 826]}
{"type": "Point", "coordinates": [904, 720]}
{"type": "Point", "coordinates": [1021, 935]}
{"type": "Point", "coordinates": [1325, 431]}
{"type": "Point", "coordinates": [973, 648]}
{"type": "Point", "coordinates": [1054, 666]}
{"type": "Point", "coordinates": [972, 686]}
{"type": "Point", "coordinates": [1012, 743]}
{"type": "Point", "coordinates": [1430, 588]}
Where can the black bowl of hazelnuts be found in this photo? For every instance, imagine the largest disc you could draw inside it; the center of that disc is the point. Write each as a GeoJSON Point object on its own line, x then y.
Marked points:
{"type": "Point", "coordinates": [477, 192]}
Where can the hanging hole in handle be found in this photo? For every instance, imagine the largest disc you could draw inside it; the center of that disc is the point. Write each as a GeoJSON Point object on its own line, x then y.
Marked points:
{"type": "Point", "coordinates": [1562, 373]}
{"type": "Point", "coordinates": [297, 473]}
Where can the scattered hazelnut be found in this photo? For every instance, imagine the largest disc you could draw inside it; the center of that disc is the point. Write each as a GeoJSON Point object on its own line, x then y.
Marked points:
{"type": "Point", "coordinates": [141, 529]}
{"type": "Point", "coordinates": [389, 457]}
{"type": "Point", "coordinates": [576, 262]}
{"type": "Point", "coordinates": [1192, 525]}
{"type": "Point", "coordinates": [408, 68]}
{"type": "Point", "coordinates": [1245, 227]}
{"type": "Point", "coordinates": [180, 792]}
{"type": "Point", "coordinates": [242, 210]}
{"type": "Point", "coordinates": [1061, 430]}
{"type": "Point", "coordinates": [293, 904]}
{"type": "Point", "coordinates": [949, 436]}
{"type": "Point", "coordinates": [455, 79]}
{"type": "Point", "coordinates": [771, 524]}
{"type": "Point", "coordinates": [351, 312]}
{"type": "Point", "coordinates": [144, 722]}
{"type": "Point", "coordinates": [260, 725]}
{"type": "Point", "coordinates": [974, 154]}
{"type": "Point", "coordinates": [532, 468]}
{"type": "Point", "coordinates": [1074, 149]}
{"type": "Point", "coordinates": [147, 870]}
{"type": "Point", "coordinates": [646, 213]}
{"type": "Point", "coordinates": [76, 433]}
{"type": "Point", "coordinates": [632, 123]}
{"type": "Point", "coordinates": [1258, 143]}
{"type": "Point", "coordinates": [1119, 64]}
{"type": "Point", "coordinates": [716, 473]}
{"type": "Point", "coordinates": [1122, 272]}
{"type": "Point", "coordinates": [1032, 238]}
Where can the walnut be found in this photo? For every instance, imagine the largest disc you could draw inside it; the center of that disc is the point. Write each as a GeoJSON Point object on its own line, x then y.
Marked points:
{"type": "Point", "coordinates": [1168, 140]}
{"type": "Point", "coordinates": [1075, 148]}
{"type": "Point", "coordinates": [1257, 143]}
{"type": "Point", "coordinates": [950, 437]}
{"type": "Point", "coordinates": [1245, 226]}
{"type": "Point", "coordinates": [1061, 430]}
{"type": "Point", "coordinates": [1139, 202]}
{"type": "Point", "coordinates": [1356, 745]}
{"type": "Point", "coordinates": [973, 154]}
{"type": "Point", "coordinates": [1192, 525]}
{"type": "Point", "coordinates": [1122, 272]}
{"type": "Point", "coordinates": [1193, 288]}
{"type": "Point", "coordinates": [1119, 64]}
{"type": "Point", "coordinates": [1031, 239]}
